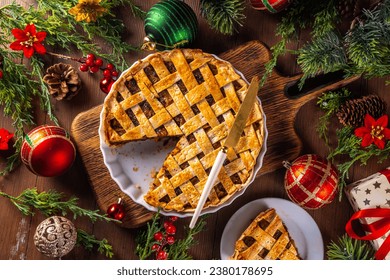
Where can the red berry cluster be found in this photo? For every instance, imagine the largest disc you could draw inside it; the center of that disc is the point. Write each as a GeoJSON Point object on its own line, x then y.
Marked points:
{"type": "Point", "coordinates": [93, 65]}
{"type": "Point", "coordinates": [162, 239]}
{"type": "Point", "coordinates": [1, 74]}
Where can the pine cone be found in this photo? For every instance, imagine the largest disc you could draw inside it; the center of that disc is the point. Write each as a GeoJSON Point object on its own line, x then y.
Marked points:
{"type": "Point", "coordinates": [349, 9]}
{"type": "Point", "coordinates": [63, 81]}
{"type": "Point", "coordinates": [352, 112]}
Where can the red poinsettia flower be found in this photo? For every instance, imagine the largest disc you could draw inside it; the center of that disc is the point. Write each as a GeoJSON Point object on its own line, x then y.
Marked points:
{"type": "Point", "coordinates": [28, 40]}
{"type": "Point", "coordinates": [5, 136]}
{"type": "Point", "coordinates": [374, 131]}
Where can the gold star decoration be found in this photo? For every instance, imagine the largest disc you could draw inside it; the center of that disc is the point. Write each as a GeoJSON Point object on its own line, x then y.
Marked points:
{"type": "Point", "coordinates": [87, 10]}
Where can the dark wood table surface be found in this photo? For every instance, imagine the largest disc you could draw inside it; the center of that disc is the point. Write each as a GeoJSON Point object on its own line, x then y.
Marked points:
{"type": "Point", "coordinates": [16, 230]}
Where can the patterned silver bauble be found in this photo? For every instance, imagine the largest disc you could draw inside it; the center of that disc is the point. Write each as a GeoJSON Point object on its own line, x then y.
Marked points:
{"type": "Point", "coordinates": [55, 237]}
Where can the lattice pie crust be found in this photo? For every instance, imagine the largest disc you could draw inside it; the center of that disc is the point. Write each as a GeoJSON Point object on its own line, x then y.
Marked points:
{"type": "Point", "coordinates": [266, 238]}
{"type": "Point", "coordinates": [194, 96]}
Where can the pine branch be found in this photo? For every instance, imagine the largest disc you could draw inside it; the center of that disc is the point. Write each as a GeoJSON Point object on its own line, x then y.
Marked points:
{"type": "Point", "coordinates": [89, 242]}
{"type": "Point", "coordinates": [347, 248]}
{"type": "Point", "coordinates": [223, 16]}
{"type": "Point", "coordinates": [179, 250]}
{"type": "Point", "coordinates": [330, 103]}
{"type": "Point", "coordinates": [145, 239]}
{"type": "Point", "coordinates": [49, 203]}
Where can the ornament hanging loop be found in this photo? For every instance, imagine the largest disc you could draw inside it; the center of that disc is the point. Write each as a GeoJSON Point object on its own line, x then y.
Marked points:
{"type": "Point", "coordinates": [286, 164]}
{"type": "Point", "coordinates": [149, 45]}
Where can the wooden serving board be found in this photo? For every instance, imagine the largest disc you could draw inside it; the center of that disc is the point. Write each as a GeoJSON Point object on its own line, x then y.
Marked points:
{"type": "Point", "coordinates": [281, 102]}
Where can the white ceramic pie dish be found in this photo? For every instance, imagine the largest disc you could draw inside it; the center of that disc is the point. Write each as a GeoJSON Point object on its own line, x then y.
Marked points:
{"type": "Point", "coordinates": [133, 165]}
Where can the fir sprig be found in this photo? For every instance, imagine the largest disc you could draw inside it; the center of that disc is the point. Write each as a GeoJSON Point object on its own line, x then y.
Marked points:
{"type": "Point", "coordinates": [176, 251]}
{"type": "Point", "coordinates": [89, 242]}
{"type": "Point", "coordinates": [347, 248]}
{"type": "Point", "coordinates": [330, 102]}
{"type": "Point", "coordinates": [49, 203]}
{"type": "Point", "coordinates": [223, 16]}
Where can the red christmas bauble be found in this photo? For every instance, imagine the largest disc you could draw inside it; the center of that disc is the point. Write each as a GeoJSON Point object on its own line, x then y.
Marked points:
{"type": "Point", "coordinates": [311, 181]}
{"type": "Point", "coordinates": [274, 6]}
{"type": "Point", "coordinates": [116, 210]}
{"type": "Point", "coordinates": [48, 151]}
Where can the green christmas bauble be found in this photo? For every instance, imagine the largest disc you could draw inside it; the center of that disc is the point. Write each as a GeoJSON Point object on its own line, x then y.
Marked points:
{"type": "Point", "coordinates": [170, 24]}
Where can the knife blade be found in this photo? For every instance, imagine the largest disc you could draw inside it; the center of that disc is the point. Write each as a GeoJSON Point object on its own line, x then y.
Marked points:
{"type": "Point", "coordinates": [230, 142]}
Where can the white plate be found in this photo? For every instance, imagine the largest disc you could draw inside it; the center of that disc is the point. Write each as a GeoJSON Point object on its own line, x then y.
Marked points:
{"type": "Point", "coordinates": [133, 165]}
{"type": "Point", "coordinates": [301, 226]}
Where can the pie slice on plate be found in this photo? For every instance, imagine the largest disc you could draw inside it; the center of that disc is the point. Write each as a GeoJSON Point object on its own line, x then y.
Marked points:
{"type": "Point", "coordinates": [266, 238]}
{"type": "Point", "coordinates": [193, 96]}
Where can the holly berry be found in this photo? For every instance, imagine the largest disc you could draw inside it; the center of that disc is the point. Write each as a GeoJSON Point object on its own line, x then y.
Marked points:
{"type": "Point", "coordinates": [173, 218]}
{"type": "Point", "coordinates": [91, 56]}
{"type": "Point", "coordinates": [171, 229]}
{"type": "Point", "coordinates": [94, 69]}
{"type": "Point", "coordinates": [162, 255]}
{"type": "Point", "coordinates": [116, 211]}
{"type": "Point", "coordinates": [155, 247]}
{"type": "Point", "coordinates": [90, 62]}
{"type": "Point", "coordinates": [1, 74]}
{"type": "Point", "coordinates": [107, 73]}
{"type": "Point", "coordinates": [170, 239]}
{"type": "Point", "coordinates": [106, 84]}
{"type": "Point", "coordinates": [158, 236]}
{"type": "Point", "coordinates": [84, 67]}
{"type": "Point", "coordinates": [115, 73]}
{"type": "Point", "coordinates": [110, 66]}
{"type": "Point", "coordinates": [167, 224]}
{"type": "Point", "coordinates": [98, 62]}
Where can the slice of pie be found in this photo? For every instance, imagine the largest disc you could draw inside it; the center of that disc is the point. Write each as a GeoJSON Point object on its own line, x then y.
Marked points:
{"type": "Point", "coordinates": [266, 238]}
{"type": "Point", "coordinates": [194, 96]}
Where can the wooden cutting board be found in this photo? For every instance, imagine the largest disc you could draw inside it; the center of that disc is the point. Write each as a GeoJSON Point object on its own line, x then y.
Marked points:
{"type": "Point", "coordinates": [281, 101]}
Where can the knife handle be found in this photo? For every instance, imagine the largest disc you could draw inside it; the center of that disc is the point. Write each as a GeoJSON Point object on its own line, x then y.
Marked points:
{"type": "Point", "coordinates": [209, 184]}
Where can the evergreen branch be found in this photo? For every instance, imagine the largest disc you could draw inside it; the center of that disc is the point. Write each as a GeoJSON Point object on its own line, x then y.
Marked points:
{"type": "Point", "coordinates": [89, 242]}
{"type": "Point", "coordinates": [223, 16]}
{"type": "Point", "coordinates": [179, 250]}
{"type": "Point", "coordinates": [145, 239]}
{"type": "Point", "coordinates": [330, 103]}
{"type": "Point", "coordinates": [49, 203]}
{"type": "Point", "coordinates": [347, 248]}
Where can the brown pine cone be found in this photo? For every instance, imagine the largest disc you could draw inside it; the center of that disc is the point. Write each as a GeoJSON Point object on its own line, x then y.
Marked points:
{"type": "Point", "coordinates": [63, 81]}
{"type": "Point", "coordinates": [353, 111]}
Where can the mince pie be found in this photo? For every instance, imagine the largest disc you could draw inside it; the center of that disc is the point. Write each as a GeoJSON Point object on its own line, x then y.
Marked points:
{"type": "Point", "coordinates": [194, 96]}
{"type": "Point", "coordinates": [266, 238]}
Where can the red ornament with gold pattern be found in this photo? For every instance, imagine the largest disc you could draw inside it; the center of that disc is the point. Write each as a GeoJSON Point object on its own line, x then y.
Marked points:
{"type": "Point", "coordinates": [274, 6]}
{"type": "Point", "coordinates": [311, 181]}
{"type": "Point", "coordinates": [48, 151]}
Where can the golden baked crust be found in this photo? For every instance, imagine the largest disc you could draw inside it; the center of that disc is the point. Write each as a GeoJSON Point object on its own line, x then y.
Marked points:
{"type": "Point", "coordinates": [266, 238]}
{"type": "Point", "coordinates": [193, 95]}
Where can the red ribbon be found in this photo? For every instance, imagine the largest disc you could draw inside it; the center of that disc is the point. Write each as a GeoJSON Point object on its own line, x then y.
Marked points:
{"type": "Point", "coordinates": [374, 230]}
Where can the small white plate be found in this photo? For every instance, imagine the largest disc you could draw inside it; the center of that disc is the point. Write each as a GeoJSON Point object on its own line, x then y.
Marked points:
{"type": "Point", "coordinates": [133, 165]}
{"type": "Point", "coordinates": [301, 226]}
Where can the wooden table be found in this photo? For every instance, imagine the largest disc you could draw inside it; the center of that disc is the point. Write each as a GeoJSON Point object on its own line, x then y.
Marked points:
{"type": "Point", "coordinates": [16, 231]}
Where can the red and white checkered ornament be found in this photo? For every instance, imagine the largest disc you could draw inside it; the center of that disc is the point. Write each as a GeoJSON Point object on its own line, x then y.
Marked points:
{"type": "Point", "coordinates": [274, 6]}
{"type": "Point", "coordinates": [311, 181]}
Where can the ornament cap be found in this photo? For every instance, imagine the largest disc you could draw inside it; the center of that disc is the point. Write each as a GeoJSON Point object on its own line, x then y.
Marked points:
{"type": "Point", "coordinates": [286, 164]}
{"type": "Point", "coordinates": [148, 44]}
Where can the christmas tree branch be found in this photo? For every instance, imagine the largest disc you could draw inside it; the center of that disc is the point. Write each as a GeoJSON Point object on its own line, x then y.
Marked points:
{"type": "Point", "coordinates": [89, 241]}
{"type": "Point", "coordinates": [49, 203]}
{"type": "Point", "coordinates": [223, 16]}
{"type": "Point", "coordinates": [347, 248]}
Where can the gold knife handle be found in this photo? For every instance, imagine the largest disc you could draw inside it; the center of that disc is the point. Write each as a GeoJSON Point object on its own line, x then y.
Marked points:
{"type": "Point", "coordinates": [209, 184]}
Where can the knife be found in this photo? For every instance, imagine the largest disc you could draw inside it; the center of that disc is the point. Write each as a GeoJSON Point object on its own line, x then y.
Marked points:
{"type": "Point", "coordinates": [230, 142]}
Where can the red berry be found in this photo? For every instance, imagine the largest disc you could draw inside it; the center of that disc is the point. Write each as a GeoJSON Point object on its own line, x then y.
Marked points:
{"type": "Point", "coordinates": [115, 73]}
{"type": "Point", "coordinates": [1, 74]}
{"type": "Point", "coordinates": [90, 61]}
{"type": "Point", "coordinates": [170, 239]}
{"type": "Point", "coordinates": [98, 62]}
{"type": "Point", "coordinates": [110, 66]}
{"type": "Point", "coordinates": [107, 73]}
{"type": "Point", "coordinates": [91, 56]}
{"type": "Point", "coordinates": [173, 218]}
{"type": "Point", "coordinates": [94, 69]}
{"type": "Point", "coordinates": [155, 247]}
{"type": "Point", "coordinates": [167, 224]}
{"type": "Point", "coordinates": [158, 236]}
{"type": "Point", "coordinates": [171, 229]}
{"type": "Point", "coordinates": [162, 255]}
{"type": "Point", "coordinates": [83, 67]}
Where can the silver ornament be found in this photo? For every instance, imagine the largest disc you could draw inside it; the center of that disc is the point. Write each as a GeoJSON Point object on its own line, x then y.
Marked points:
{"type": "Point", "coordinates": [55, 237]}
